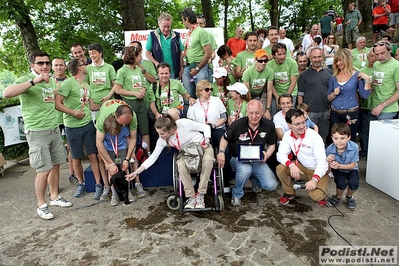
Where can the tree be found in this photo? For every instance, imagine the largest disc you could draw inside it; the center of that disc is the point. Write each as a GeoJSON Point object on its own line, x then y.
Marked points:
{"type": "Point", "coordinates": [274, 15]}
{"type": "Point", "coordinates": [364, 8]}
{"type": "Point", "coordinates": [207, 12]}
{"type": "Point", "coordinates": [132, 13]}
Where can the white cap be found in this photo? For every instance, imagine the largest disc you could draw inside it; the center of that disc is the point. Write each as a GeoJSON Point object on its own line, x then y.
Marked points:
{"type": "Point", "coordinates": [219, 72]}
{"type": "Point", "coordinates": [238, 87]}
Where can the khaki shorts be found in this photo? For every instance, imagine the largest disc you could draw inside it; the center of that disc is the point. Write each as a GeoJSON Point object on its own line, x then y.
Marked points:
{"type": "Point", "coordinates": [46, 149]}
{"type": "Point", "coordinates": [351, 36]}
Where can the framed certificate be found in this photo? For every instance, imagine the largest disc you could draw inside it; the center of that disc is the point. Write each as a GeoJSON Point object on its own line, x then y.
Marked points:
{"type": "Point", "coordinates": [250, 152]}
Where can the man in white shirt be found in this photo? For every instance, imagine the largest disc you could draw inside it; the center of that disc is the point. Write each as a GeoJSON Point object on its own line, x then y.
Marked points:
{"type": "Point", "coordinates": [287, 41]}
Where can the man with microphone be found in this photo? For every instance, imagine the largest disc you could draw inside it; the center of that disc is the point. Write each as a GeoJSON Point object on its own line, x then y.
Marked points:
{"type": "Point", "coordinates": [302, 157]}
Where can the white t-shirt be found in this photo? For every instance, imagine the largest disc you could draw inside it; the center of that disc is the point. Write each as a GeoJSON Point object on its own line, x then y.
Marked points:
{"type": "Point", "coordinates": [288, 43]}
{"type": "Point", "coordinates": [213, 109]}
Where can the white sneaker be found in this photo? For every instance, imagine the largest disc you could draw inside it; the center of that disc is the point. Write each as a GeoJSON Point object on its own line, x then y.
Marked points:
{"type": "Point", "coordinates": [114, 200]}
{"type": "Point", "coordinates": [60, 202]}
{"type": "Point", "coordinates": [190, 204]}
{"type": "Point", "coordinates": [44, 212]}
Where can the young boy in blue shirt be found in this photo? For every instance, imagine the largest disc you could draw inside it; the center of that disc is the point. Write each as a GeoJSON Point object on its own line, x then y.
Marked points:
{"type": "Point", "coordinates": [342, 157]}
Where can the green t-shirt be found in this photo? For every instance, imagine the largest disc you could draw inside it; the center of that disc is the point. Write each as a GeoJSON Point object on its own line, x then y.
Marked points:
{"type": "Point", "coordinates": [214, 46]}
{"type": "Point", "coordinates": [150, 68]}
{"type": "Point", "coordinates": [360, 58]}
{"type": "Point", "coordinates": [230, 68]}
{"type": "Point", "coordinates": [283, 74]}
{"type": "Point", "coordinates": [37, 104]}
{"type": "Point", "coordinates": [257, 80]}
{"type": "Point", "coordinates": [385, 77]}
{"type": "Point", "coordinates": [325, 24]}
{"type": "Point", "coordinates": [99, 78]}
{"type": "Point", "coordinates": [58, 114]}
{"type": "Point", "coordinates": [76, 97]}
{"type": "Point", "coordinates": [244, 59]}
{"type": "Point", "coordinates": [166, 47]}
{"type": "Point", "coordinates": [107, 109]}
{"type": "Point", "coordinates": [233, 110]}
{"type": "Point", "coordinates": [195, 43]}
{"type": "Point", "coordinates": [354, 18]}
{"type": "Point", "coordinates": [162, 95]}
{"type": "Point", "coordinates": [130, 80]}
{"type": "Point", "coordinates": [365, 103]}
{"type": "Point", "coordinates": [219, 92]}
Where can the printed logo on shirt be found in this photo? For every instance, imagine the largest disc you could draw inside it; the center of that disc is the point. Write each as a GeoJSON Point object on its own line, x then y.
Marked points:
{"type": "Point", "coordinates": [136, 81]}
{"type": "Point", "coordinates": [377, 77]}
{"type": "Point", "coordinates": [258, 83]}
{"type": "Point", "coordinates": [262, 134]}
{"type": "Point", "coordinates": [98, 78]}
{"type": "Point", "coordinates": [249, 61]}
{"type": "Point", "coordinates": [189, 41]}
{"type": "Point", "coordinates": [281, 77]}
{"type": "Point", "coordinates": [244, 137]}
{"type": "Point", "coordinates": [48, 95]}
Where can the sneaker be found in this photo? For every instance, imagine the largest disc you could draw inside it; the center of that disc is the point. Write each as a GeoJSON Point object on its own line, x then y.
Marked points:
{"type": "Point", "coordinates": [73, 180]}
{"type": "Point", "coordinates": [80, 190]}
{"type": "Point", "coordinates": [285, 199]}
{"type": "Point", "coordinates": [235, 201]}
{"type": "Point", "coordinates": [106, 194]}
{"type": "Point", "coordinates": [44, 212]}
{"type": "Point", "coordinates": [199, 201]}
{"type": "Point", "coordinates": [114, 200]}
{"type": "Point", "coordinates": [140, 191]}
{"type": "Point", "coordinates": [60, 202]}
{"type": "Point", "coordinates": [322, 203]}
{"type": "Point", "coordinates": [98, 192]}
{"type": "Point", "coordinates": [334, 200]}
{"type": "Point", "coordinates": [131, 196]}
{"type": "Point", "coordinates": [256, 189]}
{"type": "Point", "coordinates": [226, 190]}
{"type": "Point", "coordinates": [190, 203]}
{"type": "Point", "coordinates": [351, 203]}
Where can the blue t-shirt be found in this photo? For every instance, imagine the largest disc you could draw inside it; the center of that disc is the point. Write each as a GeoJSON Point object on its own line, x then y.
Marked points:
{"type": "Point", "coordinates": [110, 140]}
{"type": "Point", "coordinates": [310, 123]}
{"type": "Point", "coordinates": [350, 155]}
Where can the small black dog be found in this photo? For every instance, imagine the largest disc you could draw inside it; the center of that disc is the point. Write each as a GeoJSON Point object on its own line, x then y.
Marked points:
{"type": "Point", "coordinates": [121, 185]}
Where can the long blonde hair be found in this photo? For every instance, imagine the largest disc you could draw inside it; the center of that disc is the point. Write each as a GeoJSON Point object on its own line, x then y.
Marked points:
{"type": "Point", "coordinates": [346, 57]}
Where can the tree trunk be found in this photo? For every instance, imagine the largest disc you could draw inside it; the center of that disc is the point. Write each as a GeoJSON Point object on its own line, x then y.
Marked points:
{"type": "Point", "coordinates": [225, 29]}
{"type": "Point", "coordinates": [207, 12]}
{"type": "Point", "coordinates": [132, 12]}
{"type": "Point", "coordinates": [28, 33]}
{"type": "Point", "coordinates": [364, 8]}
{"type": "Point", "coordinates": [274, 12]}
{"type": "Point", "coordinates": [251, 16]}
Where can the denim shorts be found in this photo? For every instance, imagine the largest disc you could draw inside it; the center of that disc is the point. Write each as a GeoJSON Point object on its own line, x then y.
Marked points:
{"type": "Point", "coordinates": [77, 137]}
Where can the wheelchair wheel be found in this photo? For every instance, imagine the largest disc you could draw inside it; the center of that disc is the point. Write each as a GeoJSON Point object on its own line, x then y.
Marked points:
{"type": "Point", "coordinates": [221, 203]}
{"type": "Point", "coordinates": [173, 203]}
{"type": "Point", "coordinates": [175, 175]}
{"type": "Point", "coordinates": [220, 181]}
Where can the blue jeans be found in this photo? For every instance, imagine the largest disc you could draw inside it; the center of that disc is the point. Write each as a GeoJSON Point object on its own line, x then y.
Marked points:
{"type": "Point", "coordinates": [336, 117]}
{"type": "Point", "coordinates": [260, 174]}
{"type": "Point", "coordinates": [364, 128]}
{"type": "Point", "coordinates": [382, 116]}
{"type": "Point", "coordinates": [189, 83]}
{"type": "Point", "coordinates": [343, 180]}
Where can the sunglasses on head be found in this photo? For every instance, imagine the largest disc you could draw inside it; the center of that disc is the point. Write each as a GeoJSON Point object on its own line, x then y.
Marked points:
{"type": "Point", "coordinates": [262, 60]}
{"type": "Point", "coordinates": [382, 43]}
{"type": "Point", "coordinates": [208, 89]}
{"type": "Point", "coordinates": [200, 16]}
{"type": "Point", "coordinates": [41, 63]}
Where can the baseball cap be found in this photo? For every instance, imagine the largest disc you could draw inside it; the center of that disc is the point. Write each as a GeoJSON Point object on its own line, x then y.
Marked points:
{"type": "Point", "coordinates": [219, 72]}
{"type": "Point", "coordinates": [238, 87]}
{"type": "Point", "coordinates": [260, 53]}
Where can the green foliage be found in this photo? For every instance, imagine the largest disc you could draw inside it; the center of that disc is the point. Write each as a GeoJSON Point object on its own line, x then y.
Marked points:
{"type": "Point", "coordinates": [14, 151]}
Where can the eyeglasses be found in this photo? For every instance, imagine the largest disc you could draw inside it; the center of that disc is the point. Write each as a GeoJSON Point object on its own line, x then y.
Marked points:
{"type": "Point", "coordinates": [387, 44]}
{"type": "Point", "coordinates": [299, 123]}
{"type": "Point", "coordinates": [261, 61]}
{"type": "Point", "coordinates": [208, 89]}
{"type": "Point", "coordinates": [41, 63]}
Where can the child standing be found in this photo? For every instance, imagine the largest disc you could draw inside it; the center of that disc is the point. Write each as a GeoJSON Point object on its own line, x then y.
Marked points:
{"type": "Point", "coordinates": [342, 157]}
{"type": "Point", "coordinates": [309, 123]}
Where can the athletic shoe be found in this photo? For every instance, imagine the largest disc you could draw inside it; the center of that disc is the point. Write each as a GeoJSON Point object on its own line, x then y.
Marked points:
{"type": "Point", "coordinates": [351, 203]}
{"type": "Point", "coordinates": [106, 194]}
{"type": "Point", "coordinates": [235, 201]}
{"type": "Point", "coordinates": [98, 192]}
{"type": "Point", "coordinates": [256, 189]}
{"type": "Point", "coordinates": [44, 212]}
{"type": "Point", "coordinates": [334, 200]}
{"type": "Point", "coordinates": [190, 203]}
{"type": "Point", "coordinates": [199, 201]}
{"type": "Point", "coordinates": [285, 199]}
{"type": "Point", "coordinates": [73, 180]}
{"type": "Point", "coordinates": [60, 202]}
{"type": "Point", "coordinates": [80, 190]}
{"type": "Point", "coordinates": [140, 191]}
{"type": "Point", "coordinates": [322, 203]}
{"type": "Point", "coordinates": [114, 200]}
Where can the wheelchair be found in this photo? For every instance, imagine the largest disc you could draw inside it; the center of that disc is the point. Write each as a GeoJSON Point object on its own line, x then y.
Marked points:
{"type": "Point", "coordinates": [176, 201]}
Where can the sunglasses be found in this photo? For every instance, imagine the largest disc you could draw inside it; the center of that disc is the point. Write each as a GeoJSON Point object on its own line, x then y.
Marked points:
{"type": "Point", "coordinates": [301, 53]}
{"type": "Point", "coordinates": [261, 61]}
{"type": "Point", "coordinates": [208, 89]}
{"type": "Point", "coordinates": [41, 63]}
{"type": "Point", "coordinates": [387, 44]}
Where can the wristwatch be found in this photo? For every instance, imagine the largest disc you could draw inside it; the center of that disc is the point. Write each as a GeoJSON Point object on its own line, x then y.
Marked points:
{"type": "Point", "coordinates": [197, 68]}
{"type": "Point", "coordinates": [126, 159]}
{"type": "Point", "coordinates": [144, 71]}
{"type": "Point", "coordinates": [222, 151]}
{"type": "Point", "coordinates": [31, 82]}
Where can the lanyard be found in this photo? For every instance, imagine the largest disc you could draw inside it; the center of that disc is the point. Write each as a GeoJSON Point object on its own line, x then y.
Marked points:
{"type": "Point", "coordinates": [254, 136]}
{"type": "Point", "coordinates": [114, 146]}
{"type": "Point", "coordinates": [84, 93]}
{"type": "Point", "coordinates": [178, 142]}
{"type": "Point", "coordinates": [238, 110]}
{"type": "Point", "coordinates": [296, 150]}
{"type": "Point", "coordinates": [205, 110]}
{"type": "Point", "coordinates": [188, 36]}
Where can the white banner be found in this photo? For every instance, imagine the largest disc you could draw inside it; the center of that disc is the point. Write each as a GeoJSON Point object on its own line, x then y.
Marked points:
{"type": "Point", "coordinates": [12, 123]}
